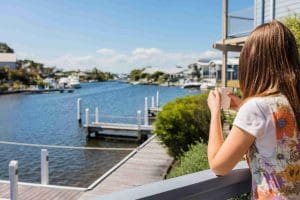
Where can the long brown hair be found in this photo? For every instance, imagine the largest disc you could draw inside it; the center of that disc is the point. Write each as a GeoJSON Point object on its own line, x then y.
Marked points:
{"type": "Point", "coordinates": [269, 61]}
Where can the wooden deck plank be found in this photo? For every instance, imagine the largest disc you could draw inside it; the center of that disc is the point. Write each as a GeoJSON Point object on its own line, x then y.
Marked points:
{"type": "Point", "coordinates": [30, 192]}
{"type": "Point", "coordinates": [149, 164]}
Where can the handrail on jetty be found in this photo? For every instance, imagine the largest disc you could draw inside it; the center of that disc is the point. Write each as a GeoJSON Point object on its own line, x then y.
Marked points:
{"type": "Point", "coordinates": [201, 185]}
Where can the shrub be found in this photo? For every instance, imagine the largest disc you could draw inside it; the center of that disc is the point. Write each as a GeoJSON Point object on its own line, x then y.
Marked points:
{"type": "Point", "coordinates": [183, 122]}
{"type": "Point", "coordinates": [3, 87]}
{"type": "Point", "coordinates": [293, 23]}
{"type": "Point", "coordinates": [194, 160]}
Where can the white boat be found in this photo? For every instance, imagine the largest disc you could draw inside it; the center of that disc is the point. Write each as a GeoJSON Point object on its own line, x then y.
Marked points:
{"type": "Point", "coordinates": [50, 83]}
{"type": "Point", "coordinates": [93, 81]}
{"type": "Point", "coordinates": [208, 84]}
{"type": "Point", "coordinates": [63, 82]}
{"type": "Point", "coordinates": [74, 82]}
{"type": "Point", "coordinates": [189, 84]}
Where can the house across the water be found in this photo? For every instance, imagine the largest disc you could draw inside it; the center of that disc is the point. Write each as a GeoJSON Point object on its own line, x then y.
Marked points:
{"type": "Point", "coordinates": [8, 60]}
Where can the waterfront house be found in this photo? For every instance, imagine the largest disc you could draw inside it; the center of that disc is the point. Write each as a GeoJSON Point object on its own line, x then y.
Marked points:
{"type": "Point", "coordinates": [215, 67]}
{"type": "Point", "coordinates": [211, 69]}
{"type": "Point", "coordinates": [237, 25]}
{"type": "Point", "coordinates": [8, 60]}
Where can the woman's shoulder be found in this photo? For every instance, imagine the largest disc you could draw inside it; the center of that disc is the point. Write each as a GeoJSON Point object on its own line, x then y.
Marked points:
{"type": "Point", "coordinates": [254, 105]}
{"type": "Point", "coordinates": [265, 103]}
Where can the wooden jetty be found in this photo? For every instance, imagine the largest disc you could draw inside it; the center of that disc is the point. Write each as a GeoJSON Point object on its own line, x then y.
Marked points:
{"type": "Point", "coordinates": [118, 130]}
{"type": "Point", "coordinates": [122, 131]}
{"type": "Point", "coordinates": [39, 192]}
{"type": "Point", "coordinates": [136, 131]}
{"type": "Point", "coordinates": [149, 163]}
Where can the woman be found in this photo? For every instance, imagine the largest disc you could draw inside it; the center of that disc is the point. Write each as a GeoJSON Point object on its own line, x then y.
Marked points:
{"type": "Point", "coordinates": [266, 125]}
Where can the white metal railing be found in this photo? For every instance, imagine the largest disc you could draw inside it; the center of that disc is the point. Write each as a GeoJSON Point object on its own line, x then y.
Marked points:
{"type": "Point", "coordinates": [240, 23]}
{"type": "Point", "coordinates": [14, 174]}
{"type": "Point", "coordinates": [88, 118]}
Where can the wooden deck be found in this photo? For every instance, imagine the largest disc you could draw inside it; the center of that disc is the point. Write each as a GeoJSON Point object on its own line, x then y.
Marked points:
{"type": "Point", "coordinates": [118, 130]}
{"type": "Point", "coordinates": [35, 192]}
{"type": "Point", "coordinates": [148, 165]}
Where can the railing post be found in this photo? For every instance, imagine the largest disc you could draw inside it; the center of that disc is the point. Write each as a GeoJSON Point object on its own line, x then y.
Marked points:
{"type": "Point", "coordinates": [96, 115]}
{"type": "Point", "coordinates": [139, 119]}
{"type": "Point", "coordinates": [44, 167]}
{"type": "Point", "coordinates": [86, 116]}
{"type": "Point", "coordinates": [146, 120]}
{"type": "Point", "coordinates": [79, 110]}
{"type": "Point", "coordinates": [152, 102]}
{"type": "Point", "coordinates": [13, 178]}
{"type": "Point", "coordinates": [157, 99]}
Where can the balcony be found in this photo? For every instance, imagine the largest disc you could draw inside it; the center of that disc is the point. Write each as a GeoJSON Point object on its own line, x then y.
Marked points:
{"type": "Point", "coordinates": [240, 23]}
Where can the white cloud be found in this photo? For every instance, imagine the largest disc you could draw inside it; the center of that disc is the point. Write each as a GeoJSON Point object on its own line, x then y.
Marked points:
{"type": "Point", "coordinates": [106, 51]}
{"type": "Point", "coordinates": [114, 61]}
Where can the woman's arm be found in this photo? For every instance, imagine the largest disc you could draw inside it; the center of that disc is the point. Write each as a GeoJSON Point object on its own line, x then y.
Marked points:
{"type": "Point", "coordinates": [224, 155]}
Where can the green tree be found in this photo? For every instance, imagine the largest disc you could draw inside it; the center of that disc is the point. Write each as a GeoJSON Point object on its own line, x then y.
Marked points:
{"type": "Point", "coordinates": [155, 76]}
{"type": "Point", "coordinates": [293, 23]}
{"type": "Point", "coordinates": [135, 74]}
{"type": "Point", "coordinates": [4, 48]}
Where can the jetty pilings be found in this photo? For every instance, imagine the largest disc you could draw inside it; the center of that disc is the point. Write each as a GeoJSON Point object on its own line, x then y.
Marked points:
{"type": "Point", "coordinates": [79, 110]}
{"type": "Point", "coordinates": [44, 167]}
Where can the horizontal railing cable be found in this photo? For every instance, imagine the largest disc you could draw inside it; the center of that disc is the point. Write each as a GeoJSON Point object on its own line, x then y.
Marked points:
{"type": "Point", "coordinates": [67, 147]}
{"type": "Point", "coordinates": [115, 116]}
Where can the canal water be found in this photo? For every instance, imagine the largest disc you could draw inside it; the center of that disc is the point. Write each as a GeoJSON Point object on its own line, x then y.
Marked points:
{"type": "Point", "coordinates": [51, 119]}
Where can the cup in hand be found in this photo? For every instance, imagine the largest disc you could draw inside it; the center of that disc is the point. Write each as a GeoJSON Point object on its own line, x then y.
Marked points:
{"type": "Point", "coordinates": [225, 99]}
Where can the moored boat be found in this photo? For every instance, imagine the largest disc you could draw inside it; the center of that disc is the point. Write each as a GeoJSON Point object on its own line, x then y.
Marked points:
{"type": "Point", "coordinates": [196, 85]}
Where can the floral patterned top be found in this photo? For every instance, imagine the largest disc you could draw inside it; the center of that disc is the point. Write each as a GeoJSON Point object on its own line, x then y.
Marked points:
{"type": "Point", "coordinates": [274, 157]}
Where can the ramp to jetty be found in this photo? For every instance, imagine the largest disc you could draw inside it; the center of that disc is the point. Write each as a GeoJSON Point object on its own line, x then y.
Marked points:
{"type": "Point", "coordinates": [148, 164]}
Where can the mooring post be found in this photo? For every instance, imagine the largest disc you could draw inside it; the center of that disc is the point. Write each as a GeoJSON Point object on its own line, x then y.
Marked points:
{"type": "Point", "coordinates": [96, 115]}
{"type": "Point", "coordinates": [157, 99]}
{"type": "Point", "coordinates": [152, 102]}
{"type": "Point", "coordinates": [44, 167]}
{"type": "Point", "coordinates": [139, 118]}
{"type": "Point", "coordinates": [86, 116]}
{"type": "Point", "coordinates": [13, 178]}
{"type": "Point", "coordinates": [79, 110]}
{"type": "Point", "coordinates": [146, 119]}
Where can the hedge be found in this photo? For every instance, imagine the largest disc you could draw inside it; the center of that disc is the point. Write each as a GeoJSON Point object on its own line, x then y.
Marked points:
{"type": "Point", "coordinates": [183, 122]}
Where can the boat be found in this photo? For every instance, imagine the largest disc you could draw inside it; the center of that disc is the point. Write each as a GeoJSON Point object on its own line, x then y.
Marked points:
{"type": "Point", "coordinates": [208, 84]}
{"type": "Point", "coordinates": [93, 81]}
{"type": "Point", "coordinates": [63, 82]}
{"type": "Point", "coordinates": [74, 82]}
{"type": "Point", "coordinates": [69, 82]}
{"type": "Point", "coordinates": [190, 84]}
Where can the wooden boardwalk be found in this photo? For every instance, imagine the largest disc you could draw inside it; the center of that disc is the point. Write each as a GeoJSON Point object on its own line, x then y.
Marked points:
{"type": "Point", "coordinates": [35, 192]}
{"type": "Point", "coordinates": [149, 164]}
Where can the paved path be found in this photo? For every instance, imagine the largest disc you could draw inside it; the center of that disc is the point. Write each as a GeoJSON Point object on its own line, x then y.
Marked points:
{"type": "Point", "coordinates": [149, 164]}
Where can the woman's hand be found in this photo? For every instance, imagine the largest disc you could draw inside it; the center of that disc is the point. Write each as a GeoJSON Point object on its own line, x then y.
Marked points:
{"type": "Point", "coordinates": [235, 101]}
{"type": "Point", "coordinates": [214, 101]}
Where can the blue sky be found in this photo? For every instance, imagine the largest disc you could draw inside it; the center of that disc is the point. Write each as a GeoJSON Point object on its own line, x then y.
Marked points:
{"type": "Point", "coordinates": [113, 35]}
